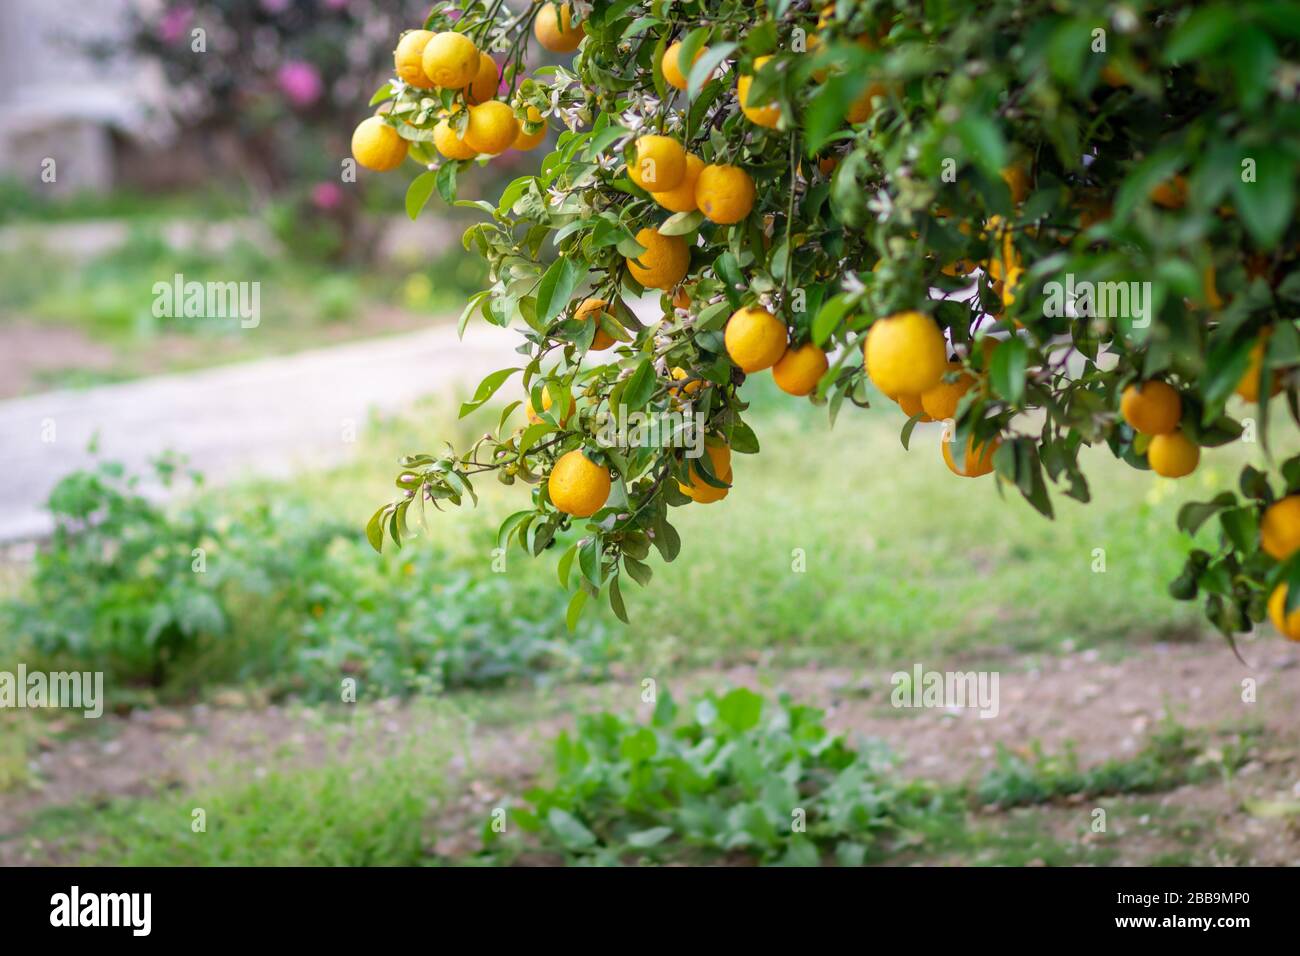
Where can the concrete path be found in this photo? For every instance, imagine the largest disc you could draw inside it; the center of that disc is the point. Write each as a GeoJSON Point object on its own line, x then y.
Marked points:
{"type": "Point", "coordinates": [267, 417]}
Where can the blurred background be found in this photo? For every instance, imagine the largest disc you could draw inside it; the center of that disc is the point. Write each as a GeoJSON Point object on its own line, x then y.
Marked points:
{"type": "Point", "coordinates": [182, 503]}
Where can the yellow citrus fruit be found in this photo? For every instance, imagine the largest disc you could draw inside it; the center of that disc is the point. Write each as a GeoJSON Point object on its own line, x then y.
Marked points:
{"type": "Point", "coordinates": [682, 199]}
{"type": "Point", "coordinates": [449, 144]}
{"type": "Point", "coordinates": [556, 31]}
{"type": "Point", "coordinates": [799, 370]}
{"type": "Point", "coordinates": [450, 60]}
{"type": "Point", "coordinates": [485, 83]}
{"type": "Point", "coordinates": [760, 115]}
{"type": "Point", "coordinates": [905, 354]}
{"type": "Point", "coordinates": [1279, 531]}
{"type": "Point", "coordinates": [659, 165]}
{"type": "Point", "coordinates": [700, 490]}
{"type": "Point", "coordinates": [1288, 625]}
{"type": "Point", "coordinates": [911, 405]}
{"type": "Point", "coordinates": [492, 127]}
{"type": "Point", "coordinates": [534, 418]}
{"type": "Point", "coordinates": [690, 388]}
{"type": "Point", "coordinates": [940, 402]}
{"type": "Point", "coordinates": [670, 64]}
{"type": "Point", "coordinates": [1017, 180]}
{"type": "Point", "coordinates": [755, 338]}
{"type": "Point", "coordinates": [1248, 387]}
{"type": "Point", "coordinates": [977, 460]}
{"type": "Point", "coordinates": [1171, 195]}
{"type": "Point", "coordinates": [408, 59]}
{"type": "Point", "coordinates": [1173, 455]}
{"type": "Point", "coordinates": [725, 194]}
{"type": "Point", "coordinates": [664, 262]}
{"type": "Point", "coordinates": [860, 110]}
{"type": "Point", "coordinates": [590, 311]}
{"type": "Point", "coordinates": [525, 140]}
{"type": "Point", "coordinates": [377, 146]}
{"type": "Point", "coordinates": [577, 485]}
{"type": "Point", "coordinates": [1153, 408]}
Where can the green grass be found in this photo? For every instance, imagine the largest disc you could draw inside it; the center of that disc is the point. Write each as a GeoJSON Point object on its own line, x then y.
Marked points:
{"type": "Point", "coordinates": [903, 559]}
{"type": "Point", "coordinates": [372, 804]}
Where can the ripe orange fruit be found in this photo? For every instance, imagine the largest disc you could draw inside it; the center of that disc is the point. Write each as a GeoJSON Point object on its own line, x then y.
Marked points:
{"type": "Point", "coordinates": [799, 370]}
{"type": "Point", "coordinates": [492, 127]}
{"type": "Point", "coordinates": [408, 59]}
{"type": "Point", "coordinates": [860, 109]}
{"type": "Point", "coordinates": [701, 491]}
{"type": "Point", "coordinates": [377, 146]}
{"type": "Point", "coordinates": [977, 460]}
{"type": "Point", "coordinates": [1173, 455]}
{"type": "Point", "coordinates": [911, 405]}
{"type": "Point", "coordinates": [940, 402]}
{"type": "Point", "coordinates": [534, 418]}
{"type": "Point", "coordinates": [526, 140]}
{"type": "Point", "coordinates": [485, 83]}
{"type": "Point", "coordinates": [663, 264]}
{"type": "Point", "coordinates": [755, 338]}
{"type": "Point", "coordinates": [659, 164]}
{"type": "Point", "coordinates": [671, 64]}
{"type": "Point", "coordinates": [577, 485]}
{"type": "Point", "coordinates": [1288, 625]}
{"type": "Point", "coordinates": [450, 60]}
{"type": "Point", "coordinates": [682, 199]}
{"type": "Point", "coordinates": [758, 114]}
{"type": "Point", "coordinates": [1153, 408]}
{"type": "Point", "coordinates": [590, 311]}
{"type": "Point", "coordinates": [1248, 387]}
{"type": "Point", "coordinates": [556, 31]}
{"type": "Point", "coordinates": [905, 354]}
{"type": "Point", "coordinates": [1017, 179]}
{"type": "Point", "coordinates": [1171, 195]}
{"type": "Point", "coordinates": [725, 194]}
{"type": "Point", "coordinates": [1279, 530]}
{"type": "Point", "coordinates": [449, 144]}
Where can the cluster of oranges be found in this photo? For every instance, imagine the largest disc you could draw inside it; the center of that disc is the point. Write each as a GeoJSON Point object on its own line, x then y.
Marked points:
{"type": "Point", "coordinates": [449, 61]}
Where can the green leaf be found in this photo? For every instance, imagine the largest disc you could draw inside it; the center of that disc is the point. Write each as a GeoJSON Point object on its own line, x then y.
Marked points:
{"type": "Point", "coordinates": [644, 839]}
{"type": "Point", "coordinates": [616, 601]}
{"type": "Point", "coordinates": [640, 386]}
{"type": "Point", "coordinates": [741, 709]}
{"type": "Point", "coordinates": [375, 529]}
{"type": "Point", "coordinates": [1203, 32]}
{"type": "Point", "coordinates": [556, 288]}
{"type": "Point", "coordinates": [418, 193]}
{"type": "Point", "coordinates": [681, 223]}
{"type": "Point", "coordinates": [704, 67]}
{"type": "Point", "coordinates": [486, 389]}
{"type": "Point", "coordinates": [828, 318]}
{"type": "Point", "coordinates": [982, 140]}
{"type": "Point", "coordinates": [565, 564]}
{"type": "Point", "coordinates": [569, 829]}
{"type": "Point", "coordinates": [1267, 203]}
{"type": "Point", "coordinates": [576, 604]}
{"type": "Point", "coordinates": [447, 181]}
{"type": "Point", "coordinates": [1007, 370]}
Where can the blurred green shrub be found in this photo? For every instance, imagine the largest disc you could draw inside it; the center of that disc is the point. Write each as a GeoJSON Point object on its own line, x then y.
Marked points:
{"type": "Point", "coordinates": [178, 598]}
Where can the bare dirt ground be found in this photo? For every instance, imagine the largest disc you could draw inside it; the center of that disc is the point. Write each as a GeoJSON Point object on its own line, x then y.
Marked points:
{"type": "Point", "coordinates": [1105, 708]}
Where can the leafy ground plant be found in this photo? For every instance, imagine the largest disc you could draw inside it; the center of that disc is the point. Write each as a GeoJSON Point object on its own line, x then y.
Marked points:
{"type": "Point", "coordinates": [732, 775]}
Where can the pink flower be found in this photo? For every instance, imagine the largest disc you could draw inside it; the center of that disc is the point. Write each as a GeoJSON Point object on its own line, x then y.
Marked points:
{"type": "Point", "coordinates": [326, 196]}
{"type": "Point", "coordinates": [174, 24]}
{"type": "Point", "coordinates": [300, 82]}
{"type": "Point", "coordinates": [275, 6]}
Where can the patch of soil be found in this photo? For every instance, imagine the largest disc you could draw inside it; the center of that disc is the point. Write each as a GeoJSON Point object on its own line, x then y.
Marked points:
{"type": "Point", "coordinates": [1105, 708]}
{"type": "Point", "coordinates": [29, 351]}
